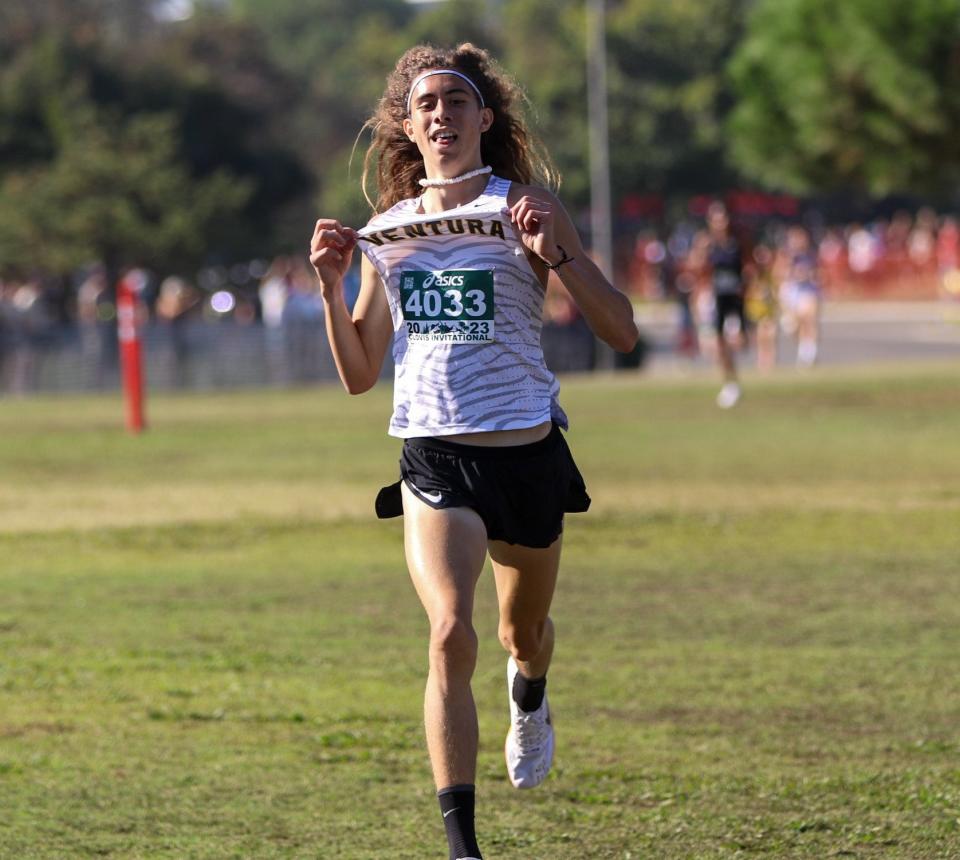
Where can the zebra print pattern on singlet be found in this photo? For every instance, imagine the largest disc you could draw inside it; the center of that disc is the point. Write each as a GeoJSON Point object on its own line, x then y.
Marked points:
{"type": "Point", "coordinates": [442, 387]}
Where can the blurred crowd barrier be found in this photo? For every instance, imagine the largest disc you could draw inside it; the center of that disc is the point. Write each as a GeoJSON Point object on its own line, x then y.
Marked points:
{"type": "Point", "coordinates": [261, 323]}
{"type": "Point", "coordinates": [193, 355]}
{"type": "Point", "coordinates": [200, 355]}
{"type": "Point", "coordinates": [907, 256]}
{"type": "Point", "coordinates": [256, 328]}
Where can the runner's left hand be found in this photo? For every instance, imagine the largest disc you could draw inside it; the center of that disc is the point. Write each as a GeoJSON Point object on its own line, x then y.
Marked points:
{"type": "Point", "coordinates": [534, 220]}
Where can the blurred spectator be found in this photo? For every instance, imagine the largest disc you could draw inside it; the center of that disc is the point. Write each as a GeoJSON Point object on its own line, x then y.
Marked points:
{"type": "Point", "coordinates": [833, 255]}
{"type": "Point", "coordinates": [762, 305]}
{"type": "Point", "coordinates": [922, 242]}
{"type": "Point", "coordinates": [67, 329]}
{"type": "Point", "coordinates": [570, 345]}
{"type": "Point", "coordinates": [30, 328]}
{"type": "Point", "coordinates": [9, 331]}
{"type": "Point", "coordinates": [97, 323]}
{"type": "Point", "coordinates": [948, 258]}
{"type": "Point", "coordinates": [646, 264]}
{"type": "Point", "coordinates": [302, 321]}
{"type": "Point", "coordinates": [274, 288]}
{"type": "Point", "coordinates": [681, 279]}
{"type": "Point", "coordinates": [798, 272]}
{"type": "Point", "coordinates": [179, 308]}
{"type": "Point", "coordinates": [863, 251]}
{"type": "Point", "coordinates": [273, 291]}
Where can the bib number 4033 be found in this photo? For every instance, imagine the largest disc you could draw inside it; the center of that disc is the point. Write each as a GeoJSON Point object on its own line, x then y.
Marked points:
{"type": "Point", "coordinates": [452, 305]}
{"type": "Point", "coordinates": [432, 304]}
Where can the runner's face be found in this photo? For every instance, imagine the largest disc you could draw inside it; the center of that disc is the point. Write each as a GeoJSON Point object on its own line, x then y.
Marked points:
{"type": "Point", "coordinates": [446, 122]}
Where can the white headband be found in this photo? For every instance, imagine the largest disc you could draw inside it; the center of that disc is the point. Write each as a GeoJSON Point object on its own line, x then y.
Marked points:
{"type": "Point", "coordinates": [422, 77]}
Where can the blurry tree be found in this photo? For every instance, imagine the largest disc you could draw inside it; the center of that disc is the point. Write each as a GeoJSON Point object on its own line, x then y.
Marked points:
{"type": "Point", "coordinates": [114, 192]}
{"type": "Point", "coordinates": [73, 93]}
{"type": "Point", "coordinates": [87, 21]}
{"type": "Point", "coordinates": [553, 76]}
{"type": "Point", "coordinates": [456, 21]}
{"type": "Point", "coordinates": [340, 53]}
{"type": "Point", "coordinates": [863, 94]}
{"type": "Point", "coordinates": [236, 108]}
{"type": "Point", "coordinates": [273, 93]}
{"type": "Point", "coordinates": [343, 52]}
{"type": "Point", "coordinates": [668, 95]}
{"type": "Point", "coordinates": [318, 39]}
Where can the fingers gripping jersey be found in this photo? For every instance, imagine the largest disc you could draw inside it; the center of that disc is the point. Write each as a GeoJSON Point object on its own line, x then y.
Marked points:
{"type": "Point", "coordinates": [467, 314]}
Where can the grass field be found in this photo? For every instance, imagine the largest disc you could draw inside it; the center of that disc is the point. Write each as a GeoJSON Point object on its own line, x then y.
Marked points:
{"type": "Point", "coordinates": [209, 647]}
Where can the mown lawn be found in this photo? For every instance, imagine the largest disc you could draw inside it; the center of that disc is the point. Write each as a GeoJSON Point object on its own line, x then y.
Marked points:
{"type": "Point", "coordinates": [209, 647]}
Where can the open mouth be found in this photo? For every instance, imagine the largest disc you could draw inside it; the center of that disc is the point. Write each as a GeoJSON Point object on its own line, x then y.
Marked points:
{"type": "Point", "coordinates": [444, 137]}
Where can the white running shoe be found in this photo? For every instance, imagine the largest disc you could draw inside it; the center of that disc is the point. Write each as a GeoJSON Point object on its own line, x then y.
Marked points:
{"type": "Point", "coordinates": [807, 353]}
{"type": "Point", "coordinates": [728, 396]}
{"type": "Point", "coordinates": [530, 741]}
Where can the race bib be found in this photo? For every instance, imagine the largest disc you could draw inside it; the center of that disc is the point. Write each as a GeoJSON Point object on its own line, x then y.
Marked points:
{"type": "Point", "coordinates": [454, 306]}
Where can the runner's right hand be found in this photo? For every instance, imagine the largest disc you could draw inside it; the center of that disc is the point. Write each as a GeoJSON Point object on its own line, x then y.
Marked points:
{"type": "Point", "coordinates": [331, 251]}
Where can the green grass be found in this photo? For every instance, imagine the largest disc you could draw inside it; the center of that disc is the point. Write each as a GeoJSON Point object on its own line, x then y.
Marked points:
{"type": "Point", "coordinates": [209, 647]}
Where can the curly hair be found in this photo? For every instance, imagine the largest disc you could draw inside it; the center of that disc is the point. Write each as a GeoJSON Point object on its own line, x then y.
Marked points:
{"type": "Point", "coordinates": [507, 146]}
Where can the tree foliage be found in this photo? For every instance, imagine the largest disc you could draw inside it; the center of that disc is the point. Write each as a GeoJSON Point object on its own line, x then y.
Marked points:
{"type": "Point", "coordinates": [863, 94]}
{"type": "Point", "coordinates": [667, 92]}
{"type": "Point", "coordinates": [340, 54]}
{"type": "Point", "coordinates": [221, 137]}
{"type": "Point", "coordinates": [114, 193]}
{"type": "Point", "coordinates": [160, 147]}
{"type": "Point", "coordinates": [668, 95]}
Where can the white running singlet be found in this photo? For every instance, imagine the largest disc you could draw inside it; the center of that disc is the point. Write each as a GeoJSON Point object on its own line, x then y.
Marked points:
{"type": "Point", "coordinates": [467, 313]}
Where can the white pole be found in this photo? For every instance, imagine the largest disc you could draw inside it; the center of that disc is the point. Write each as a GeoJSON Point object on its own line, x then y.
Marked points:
{"type": "Point", "coordinates": [599, 136]}
{"type": "Point", "coordinates": [600, 224]}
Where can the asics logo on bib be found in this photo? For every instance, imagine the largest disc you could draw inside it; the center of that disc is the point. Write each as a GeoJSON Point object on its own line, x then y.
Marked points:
{"type": "Point", "coordinates": [448, 305]}
{"type": "Point", "coordinates": [442, 279]}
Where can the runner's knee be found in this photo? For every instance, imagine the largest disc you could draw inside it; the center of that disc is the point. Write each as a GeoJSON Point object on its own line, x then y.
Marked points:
{"type": "Point", "coordinates": [453, 645]}
{"type": "Point", "coordinates": [523, 641]}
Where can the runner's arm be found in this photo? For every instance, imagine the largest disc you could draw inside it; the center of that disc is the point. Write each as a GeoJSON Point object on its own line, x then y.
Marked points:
{"type": "Point", "coordinates": [548, 232]}
{"type": "Point", "coordinates": [358, 341]}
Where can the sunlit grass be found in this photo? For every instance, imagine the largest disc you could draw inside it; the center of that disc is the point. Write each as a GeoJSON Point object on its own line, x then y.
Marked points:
{"type": "Point", "coordinates": [209, 647]}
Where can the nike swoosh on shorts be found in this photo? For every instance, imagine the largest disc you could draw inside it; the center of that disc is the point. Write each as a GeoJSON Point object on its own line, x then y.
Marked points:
{"type": "Point", "coordinates": [436, 498]}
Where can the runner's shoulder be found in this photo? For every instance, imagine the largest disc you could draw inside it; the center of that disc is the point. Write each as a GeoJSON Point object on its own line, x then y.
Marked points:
{"type": "Point", "coordinates": [537, 192]}
{"type": "Point", "coordinates": [389, 217]}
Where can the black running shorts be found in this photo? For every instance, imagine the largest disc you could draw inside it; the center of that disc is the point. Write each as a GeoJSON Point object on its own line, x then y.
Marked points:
{"type": "Point", "coordinates": [520, 492]}
{"type": "Point", "coordinates": [729, 305]}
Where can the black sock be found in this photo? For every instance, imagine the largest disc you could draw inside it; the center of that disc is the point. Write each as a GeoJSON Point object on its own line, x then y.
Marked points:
{"type": "Point", "coordinates": [457, 804]}
{"type": "Point", "coordinates": [528, 693]}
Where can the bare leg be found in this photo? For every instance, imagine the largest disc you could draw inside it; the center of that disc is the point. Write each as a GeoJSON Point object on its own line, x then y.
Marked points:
{"type": "Point", "coordinates": [807, 331]}
{"type": "Point", "coordinates": [766, 344]}
{"type": "Point", "coordinates": [727, 363]}
{"type": "Point", "coordinates": [526, 579]}
{"type": "Point", "coordinates": [445, 554]}
{"type": "Point", "coordinates": [730, 392]}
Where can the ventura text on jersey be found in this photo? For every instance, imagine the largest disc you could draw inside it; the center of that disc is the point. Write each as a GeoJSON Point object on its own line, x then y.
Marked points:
{"type": "Point", "coordinates": [442, 227]}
